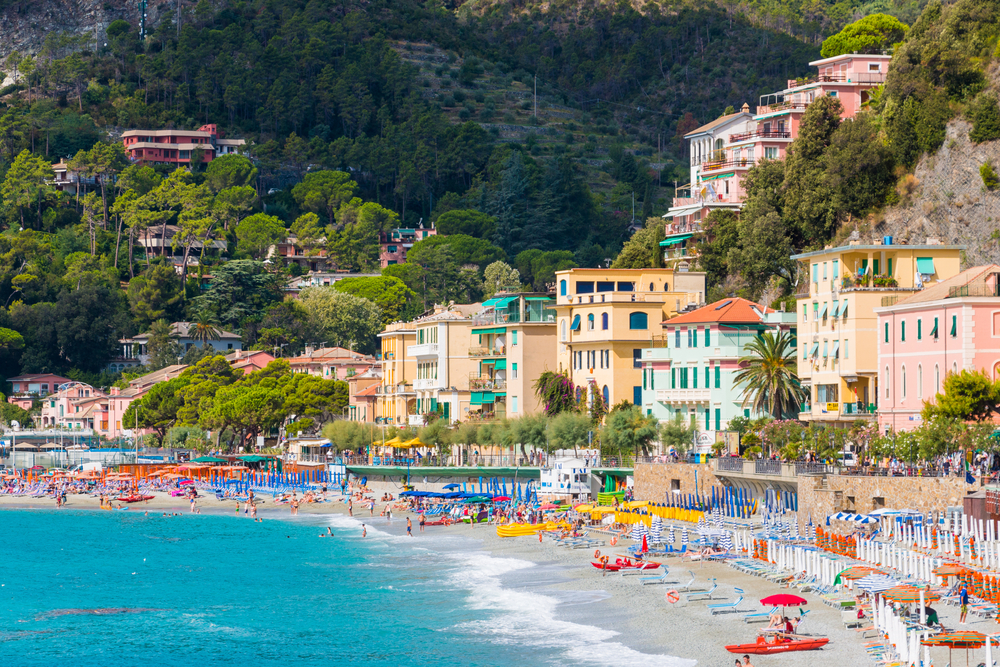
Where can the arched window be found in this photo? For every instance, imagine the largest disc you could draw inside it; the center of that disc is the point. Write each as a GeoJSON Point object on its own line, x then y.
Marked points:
{"type": "Point", "coordinates": [902, 380]}
{"type": "Point", "coordinates": [604, 321]}
{"type": "Point", "coordinates": [937, 379]}
{"type": "Point", "coordinates": [562, 288]}
{"type": "Point", "coordinates": [637, 321]}
{"type": "Point", "coordinates": [564, 329]}
{"type": "Point", "coordinates": [590, 322]}
{"type": "Point", "coordinates": [606, 394]}
{"type": "Point", "coordinates": [886, 382]}
{"type": "Point", "coordinates": [920, 381]}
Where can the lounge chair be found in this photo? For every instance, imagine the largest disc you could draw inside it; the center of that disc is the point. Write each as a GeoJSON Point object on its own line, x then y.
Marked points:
{"type": "Point", "coordinates": [726, 607]}
{"type": "Point", "coordinates": [702, 595]}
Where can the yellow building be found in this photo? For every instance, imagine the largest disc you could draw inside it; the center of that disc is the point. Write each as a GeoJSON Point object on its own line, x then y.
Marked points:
{"type": "Point", "coordinates": [838, 292]}
{"type": "Point", "coordinates": [396, 396]}
{"type": "Point", "coordinates": [442, 355]}
{"type": "Point", "coordinates": [607, 316]}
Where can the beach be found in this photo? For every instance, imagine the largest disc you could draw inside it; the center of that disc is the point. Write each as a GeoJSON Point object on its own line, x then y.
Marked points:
{"type": "Point", "coordinates": [553, 581]}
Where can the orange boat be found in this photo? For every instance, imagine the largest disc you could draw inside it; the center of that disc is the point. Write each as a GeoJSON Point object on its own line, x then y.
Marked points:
{"type": "Point", "coordinates": [781, 645]}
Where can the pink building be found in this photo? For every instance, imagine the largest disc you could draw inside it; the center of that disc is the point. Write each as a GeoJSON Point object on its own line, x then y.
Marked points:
{"type": "Point", "coordinates": [722, 151]}
{"type": "Point", "coordinates": [176, 146]}
{"type": "Point", "coordinates": [395, 243]}
{"type": "Point", "coordinates": [947, 327]}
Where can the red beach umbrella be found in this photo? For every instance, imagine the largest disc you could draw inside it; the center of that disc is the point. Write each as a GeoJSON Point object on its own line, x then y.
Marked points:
{"type": "Point", "coordinates": [783, 600]}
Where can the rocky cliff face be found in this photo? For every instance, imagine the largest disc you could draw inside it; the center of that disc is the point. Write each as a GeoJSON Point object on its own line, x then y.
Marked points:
{"type": "Point", "coordinates": [25, 23]}
{"type": "Point", "coordinates": [949, 201]}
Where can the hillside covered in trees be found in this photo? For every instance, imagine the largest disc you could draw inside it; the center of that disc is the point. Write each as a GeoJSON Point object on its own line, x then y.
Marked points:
{"type": "Point", "coordinates": [358, 118]}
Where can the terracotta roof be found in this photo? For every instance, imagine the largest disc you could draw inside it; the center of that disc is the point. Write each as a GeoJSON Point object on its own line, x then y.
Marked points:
{"type": "Point", "coordinates": [976, 275]}
{"type": "Point", "coordinates": [733, 311]}
{"type": "Point", "coordinates": [368, 391]}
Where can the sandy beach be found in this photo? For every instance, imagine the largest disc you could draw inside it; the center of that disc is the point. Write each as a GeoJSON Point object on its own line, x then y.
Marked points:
{"type": "Point", "coordinates": [640, 614]}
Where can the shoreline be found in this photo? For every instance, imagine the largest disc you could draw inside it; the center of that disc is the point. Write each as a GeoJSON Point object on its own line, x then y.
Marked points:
{"type": "Point", "coordinates": [632, 618]}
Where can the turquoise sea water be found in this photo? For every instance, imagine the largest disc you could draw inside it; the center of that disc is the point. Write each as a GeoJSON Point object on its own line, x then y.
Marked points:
{"type": "Point", "coordinates": [224, 590]}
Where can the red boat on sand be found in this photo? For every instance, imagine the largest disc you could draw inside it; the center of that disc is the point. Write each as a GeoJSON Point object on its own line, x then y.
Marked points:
{"type": "Point", "coordinates": [779, 645]}
{"type": "Point", "coordinates": [624, 564]}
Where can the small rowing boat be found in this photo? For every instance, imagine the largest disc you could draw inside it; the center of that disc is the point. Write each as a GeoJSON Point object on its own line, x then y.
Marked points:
{"type": "Point", "coordinates": [621, 565]}
{"type": "Point", "coordinates": [779, 645]}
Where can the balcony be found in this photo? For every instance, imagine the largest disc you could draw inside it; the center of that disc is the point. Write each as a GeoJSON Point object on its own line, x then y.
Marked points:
{"type": "Point", "coordinates": [425, 384]}
{"type": "Point", "coordinates": [424, 350]}
{"type": "Point", "coordinates": [759, 134]}
{"type": "Point", "coordinates": [486, 383]}
{"type": "Point", "coordinates": [479, 352]}
{"type": "Point", "coordinates": [720, 165]}
{"type": "Point", "coordinates": [873, 78]}
{"type": "Point", "coordinates": [683, 395]}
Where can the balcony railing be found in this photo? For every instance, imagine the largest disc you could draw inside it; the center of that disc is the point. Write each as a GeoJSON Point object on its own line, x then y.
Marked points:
{"type": "Point", "coordinates": [486, 383]}
{"type": "Point", "coordinates": [718, 165]}
{"type": "Point", "coordinates": [730, 464]}
{"type": "Point", "coordinates": [767, 467]}
{"type": "Point", "coordinates": [485, 352]}
{"type": "Point", "coordinates": [759, 134]}
{"type": "Point", "coordinates": [683, 395]}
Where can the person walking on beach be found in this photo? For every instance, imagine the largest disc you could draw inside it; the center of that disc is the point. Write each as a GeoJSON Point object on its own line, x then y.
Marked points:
{"type": "Point", "coordinates": [963, 599]}
{"type": "Point", "coordinates": [409, 527]}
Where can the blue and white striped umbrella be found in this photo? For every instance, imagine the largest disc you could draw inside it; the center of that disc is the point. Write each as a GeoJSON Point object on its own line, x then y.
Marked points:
{"type": "Point", "coordinates": [670, 535]}
{"type": "Point", "coordinates": [655, 528]}
{"type": "Point", "coordinates": [727, 541]}
{"type": "Point", "coordinates": [876, 583]}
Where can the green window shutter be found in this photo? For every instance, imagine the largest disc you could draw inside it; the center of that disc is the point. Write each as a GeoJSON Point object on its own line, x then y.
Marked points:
{"type": "Point", "coordinates": [718, 419]}
{"type": "Point", "coordinates": [718, 376]}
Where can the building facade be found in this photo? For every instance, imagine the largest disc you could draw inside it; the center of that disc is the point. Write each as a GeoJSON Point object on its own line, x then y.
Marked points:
{"type": "Point", "coordinates": [395, 243]}
{"type": "Point", "coordinates": [838, 293]}
{"type": "Point", "coordinates": [690, 370]}
{"type": "Point", "coordinates": [177, 147]}
{"type": "Point", "coordinates": [945, 328]}
{"type": "Point", "coordinates": [514, 342]}
{"type": "Point", "coordinates": [396, 397]}
{"type": "Point", "coordinates": [606, 317]}
{"type": "Point", "coordinates": [722, 151]}
{"type": "Point", "coordinates": [442, 351]}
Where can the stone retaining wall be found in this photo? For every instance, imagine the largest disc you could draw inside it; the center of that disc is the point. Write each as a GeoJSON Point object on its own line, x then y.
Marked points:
{"type": "Point", "coordinates": [653, 481]}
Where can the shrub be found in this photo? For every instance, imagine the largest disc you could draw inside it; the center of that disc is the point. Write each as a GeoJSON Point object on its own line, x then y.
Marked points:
{"type": "Point", "coordinates": [989, 176]}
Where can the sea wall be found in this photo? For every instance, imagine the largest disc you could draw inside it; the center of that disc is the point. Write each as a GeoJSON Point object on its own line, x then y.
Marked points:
{"type": "Point", "coordinates": [653, 481]}
{"type": "Point", "coordinates": [820, 497]}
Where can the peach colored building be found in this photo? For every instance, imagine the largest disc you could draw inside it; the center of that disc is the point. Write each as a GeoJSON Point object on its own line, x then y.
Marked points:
{"type": "Point", "coordinates": [839, 291]}
{"type": "Point", "coordinates": [947, 327]}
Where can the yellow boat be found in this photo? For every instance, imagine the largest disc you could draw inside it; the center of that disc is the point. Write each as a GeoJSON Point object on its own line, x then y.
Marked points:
{"type": "Point", "coordinates": [522, 529]}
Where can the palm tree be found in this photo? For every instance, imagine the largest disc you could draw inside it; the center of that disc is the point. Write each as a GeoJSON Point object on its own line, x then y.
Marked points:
{"type": "Point", "coordinates": [768, 373]}
{"type": "Point", "coordinates": [205, 330]}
